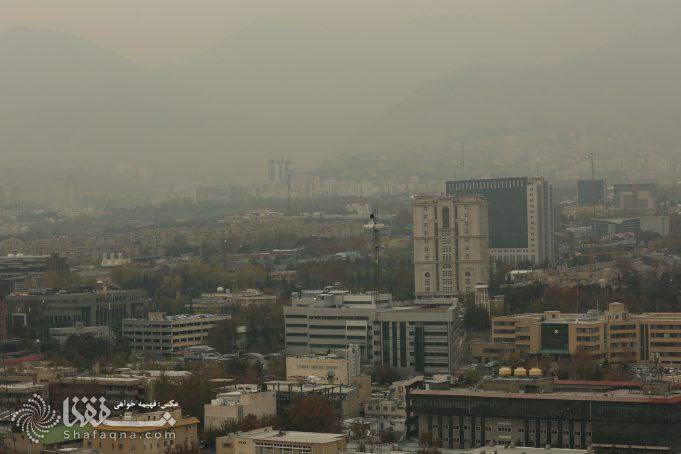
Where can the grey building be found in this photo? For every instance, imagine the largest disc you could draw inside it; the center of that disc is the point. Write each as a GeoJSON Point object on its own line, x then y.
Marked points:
{"type": "Point", "coordinates": [521, 217]}
{"type": "Point", "coordinates": [321, 320]}
{"type": "Point", "coordinates": [422, 340]}
{"type": "Point", "coordinates": [40, 310]}
{"type": "Point", "coordinates": [591, 193]}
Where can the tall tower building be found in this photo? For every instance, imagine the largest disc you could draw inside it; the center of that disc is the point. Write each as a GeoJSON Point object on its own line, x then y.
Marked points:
{"type": "Point", "coordinates": [451, 252]}
{"type": "Point", "coordinates": [520, 216]}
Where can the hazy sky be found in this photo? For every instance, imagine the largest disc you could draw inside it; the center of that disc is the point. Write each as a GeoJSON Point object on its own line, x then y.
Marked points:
{"type": "Point", "coordinates": [155, 32]}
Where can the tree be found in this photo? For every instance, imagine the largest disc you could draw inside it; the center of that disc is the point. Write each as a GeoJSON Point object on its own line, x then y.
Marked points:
{"type": "Point", "coordinates": [385, 375]}
{"type": "Point", "coordinates": [313, 414]}
{"type": "Point", "coordinates": [222, 337]}
{"type": "Point", "coordinates": [83, 349]}
{"type": "Point", "coordinates": [476, 318]}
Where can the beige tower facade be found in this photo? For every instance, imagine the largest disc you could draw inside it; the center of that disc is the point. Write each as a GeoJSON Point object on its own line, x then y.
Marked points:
{"type": "Point", "coordinates": [451, 245]}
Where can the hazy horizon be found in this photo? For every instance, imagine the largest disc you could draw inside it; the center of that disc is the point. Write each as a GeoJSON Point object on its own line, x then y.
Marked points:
{"type": "Point", "coordinates": [206, 94]}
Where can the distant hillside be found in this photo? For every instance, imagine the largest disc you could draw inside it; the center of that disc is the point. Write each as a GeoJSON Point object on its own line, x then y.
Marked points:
{"type": "Point", "coordinates": [629, 88]}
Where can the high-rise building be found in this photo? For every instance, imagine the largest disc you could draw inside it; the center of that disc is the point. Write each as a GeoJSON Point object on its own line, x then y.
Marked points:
{"type": "Point", "coordinates": [451, 252]}
{"type": "Point", "coordinates": [520, 216]}
{"type": "Point", "coordinates": [591, 193]}
{"type": "Point", "coordinates": [635, 196]}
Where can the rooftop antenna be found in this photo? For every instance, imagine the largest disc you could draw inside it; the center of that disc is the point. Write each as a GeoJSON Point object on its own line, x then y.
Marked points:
{"type": "Point", "coordinates": [463, 157]}
{"type": "Point", "coordinates": [593, 179]}
{"type": "Point", "coordinates": [375, 228]}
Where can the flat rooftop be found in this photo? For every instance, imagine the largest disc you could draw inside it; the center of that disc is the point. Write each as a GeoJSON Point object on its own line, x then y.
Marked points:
{"type": "Point", "coordinates": [292, 437]}
{"type": "Point", "coordinates": [621, 395]}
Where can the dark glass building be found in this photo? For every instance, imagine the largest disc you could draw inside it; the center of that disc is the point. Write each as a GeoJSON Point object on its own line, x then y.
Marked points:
{"type": "Point", "coordinates": [590, 193]}
{"type": "Point", "coordinates": [520, 212]}
{"type": "Point", "coordinates": [465, 418]}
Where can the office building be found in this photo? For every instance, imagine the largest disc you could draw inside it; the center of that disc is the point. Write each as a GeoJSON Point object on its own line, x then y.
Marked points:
{"type": "Point", "coordinates": [165, 335]}
{"type": "Point", "coordinates": [537, 416]}
{"type": "Point", "coordinates": [337, 367]}
{"type": "Point", "coordinates": [268, 440]}
{"type": "Point", "coordinates": [321, 320]}
{"type": "Point", "coordinates": [615, 335]}
{"type": "Point", "coordinates": [633, 196]}
{"type": "Point", "coordinates": [451, 250]}
{"type": "Point", "coordinates": [521, 217]}
{"type": "Point", "coordinates": [47, 308]}
{"type": "Point", "coordinates": [236, 404]}
{"type": "Point", "coordinates": [591, 193]}
{"type": "Point", "coordinates": [419, 339]}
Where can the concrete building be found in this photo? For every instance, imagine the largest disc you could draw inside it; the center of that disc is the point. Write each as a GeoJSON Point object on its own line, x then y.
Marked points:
{"type": "Point", "coordinates": [180, 432]}
{"type": "Point", "coordinates": [469, 418]}
{"type": "Point", "coordinates": [220, 301]}
{"type": "Point", "coordinates": [46, 308]}
{"type": "Point", "coordinates": [166, 335]}
{"type": "Point", "coordinates": [337, 367]}
{"type": "Point", "coordinates": [451, 245]}
{"type": "Point", "coordinates": [347, 400]}
{"type": "Point", "coordinates": [521, 218]}
{"type": "Point", "coordinates": [321, 320]}
{"type": "Point", "coordinates": [234, 405]}
{"type": "Point", "coordinates": [113, 388]}
{"type": "Point", "coordinates": [13, 395]}
{"type": "Point", "coordinates": [615, 335]}
{"type": "Point", "coordinates": [635, 196]}
{"type": "Point", "coordinates": [61, 334]}
{"type": "Point", "coordinates": [268, 440]}
{"type": "Point", "coordinates": [419, 339]}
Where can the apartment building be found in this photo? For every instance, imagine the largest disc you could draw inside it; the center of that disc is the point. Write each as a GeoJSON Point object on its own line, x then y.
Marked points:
{"type": "Point", "coordinates": [419, 339]}
{"type": "Point", "coordinates": [451, 245]}
{"type": "Point", "coordinates": [337, 367]}
{"type": "Point", "coordinates": [236, 404]}
{"type": "Point", "coordinates": [321, 320]}
{"type": "Point", "coordinates": [268, 440]}
{"type": "Point", "coordinates": [521, 216]}
{"type": "Point", "coordinates": [166, 335]}
{"type": "Point", "coordinates": [615, 335]}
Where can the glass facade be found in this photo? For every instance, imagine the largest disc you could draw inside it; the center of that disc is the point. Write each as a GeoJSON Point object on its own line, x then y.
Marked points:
{"type": "Point", "coordinates": [507, 208]}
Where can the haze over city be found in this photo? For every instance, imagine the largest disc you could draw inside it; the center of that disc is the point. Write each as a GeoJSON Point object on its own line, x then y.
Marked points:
{"type": "Point", "coordinates": [340, 227]}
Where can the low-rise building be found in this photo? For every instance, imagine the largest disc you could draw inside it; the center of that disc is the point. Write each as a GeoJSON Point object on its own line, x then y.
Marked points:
{"type": "Point", "coordinates": [220, 301]}
{"type": "Point", "coordinates": [234, 405]}
{"type": "Point", "coordinates": [337, 367]}
{"type": "Point", "coordinates": [165, 335]}
{"type": "Point", "coordinates": [61, 334]}
{"type": "Point", "coordinates": [615, 335]}
{"type": "Point", "coordinates": [469, 418]}
{"type": "Point", "coordinates": [269, 440]}
{"type": "Point", "coordinates": [171, 431]}
{"type": "Point", "coordinates": [46, 308]}
{"type": "Point", "coordinates": [114, 389]}
{"type": "Point", "coordinates": [347, 400]}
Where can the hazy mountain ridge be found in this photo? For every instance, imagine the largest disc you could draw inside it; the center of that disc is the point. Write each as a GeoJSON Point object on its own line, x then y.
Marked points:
{"type": "Point", "coordinates": [275, 90]}
{"type": "Point", "coordinates": [627, 88]}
